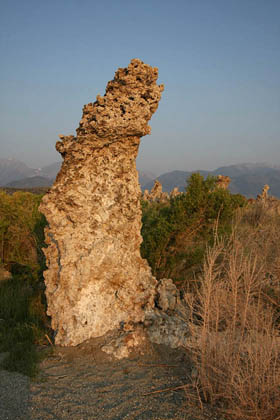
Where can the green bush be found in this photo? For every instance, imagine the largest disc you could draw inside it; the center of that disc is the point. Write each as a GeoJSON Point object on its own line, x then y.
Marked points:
{"type": "Point", "coordinates": [21, 230]}
{"type": "Point", "coordinates": [23, 323]}
{"type": "Point", "coordinates": [23, 320]}
{"type": "Point", "coordinates": [175, 234]}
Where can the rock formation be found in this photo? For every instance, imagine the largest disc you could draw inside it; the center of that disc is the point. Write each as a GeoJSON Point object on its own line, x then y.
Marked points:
{"type": "Point", "coordinates": [146, 195]}
{"type": "Point", "coordinates": [175, 192]}
{"type": "Point", "coordinates": [156, 191]}
{"type": "Point", "coordinates": [270, 204]}
{"type": "Point", "coordinates": [223, 182]}
{"type": "Point", "coordinates": [264, 195]}
{"type": "Point", "coordinates": [96, 279]}
{"type": "Point", "coordinates": [166, 323]}
{"type": "Point", "coordinates": [156, 194]}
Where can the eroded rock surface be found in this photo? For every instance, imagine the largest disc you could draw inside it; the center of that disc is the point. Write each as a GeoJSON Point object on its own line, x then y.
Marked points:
{"type": "Point", "coordinates": [96, 279]}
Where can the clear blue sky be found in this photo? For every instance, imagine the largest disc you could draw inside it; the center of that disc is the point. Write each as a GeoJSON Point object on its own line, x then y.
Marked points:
{"type": "Point", "coordinates": [219, 61]}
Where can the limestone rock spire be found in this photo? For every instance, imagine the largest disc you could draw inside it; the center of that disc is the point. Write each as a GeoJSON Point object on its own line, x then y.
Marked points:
{"type": "Point", "coordinates": [95, 277]}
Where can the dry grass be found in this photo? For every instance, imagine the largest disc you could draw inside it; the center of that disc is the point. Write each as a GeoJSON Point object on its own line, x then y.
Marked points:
{"type": "Point", "coordinates": [235, 322]}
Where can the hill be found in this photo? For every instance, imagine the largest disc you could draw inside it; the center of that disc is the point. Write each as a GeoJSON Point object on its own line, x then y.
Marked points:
{"type": "Point", "coordinates": [31, 182]}
{"type": "Point", "coordinates": [13, 170]}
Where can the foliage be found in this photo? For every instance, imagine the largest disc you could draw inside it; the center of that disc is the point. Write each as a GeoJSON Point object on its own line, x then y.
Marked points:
{"type": "Point", "coordinates": [21, 227]}
{"type": "Point", "coordinates": [23, 320]}
{"type": "Point", "coordinates": [21, 328]}
{"type": "Point", "coordinates": [175, 234]}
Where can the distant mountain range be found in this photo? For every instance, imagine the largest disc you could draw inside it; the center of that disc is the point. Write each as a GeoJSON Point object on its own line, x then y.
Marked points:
{"type": "Point", "coordinates": [11, 170]}
{"type": "Point", "coordinates": [14, 173]}
{"type": "Point", "coordinates": [247, 179]}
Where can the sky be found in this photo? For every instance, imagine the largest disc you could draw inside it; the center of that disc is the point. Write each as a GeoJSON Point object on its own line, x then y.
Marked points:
{"type": "Point", "coordinates": [218, 59]}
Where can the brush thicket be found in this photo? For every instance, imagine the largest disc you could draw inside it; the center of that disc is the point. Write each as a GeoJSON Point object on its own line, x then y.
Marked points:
{"type": "Point", "coordinates": [235, 321]}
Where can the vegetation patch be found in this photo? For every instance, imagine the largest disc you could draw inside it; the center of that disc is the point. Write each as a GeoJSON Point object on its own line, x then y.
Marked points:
{"type": "Point", "coordinates": [235, 321]}
{"type": "Point", "coordinates": [176, 233]}
{"type": "Point", "coordinates": [23, 320]}
{"type": "Point", "coordinates": [222, 252]}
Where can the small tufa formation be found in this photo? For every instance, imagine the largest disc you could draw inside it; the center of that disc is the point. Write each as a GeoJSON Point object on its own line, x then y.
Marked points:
{"type": "Point", "coordinates": [156, 191]}
{"type": "Point", "coordinates": [158, 195]}
{"type": "Point", "coordinates": [268, 202]}
{"type": "Point", "coordinates": [175, 192]}
{"type": "Point", "coordinates": [96, 279]}
{"type": "Point", "coordinates": [264, 195]}
{"type": "Point", "coordinates": [146, 195]}
{"type": "Point", "coordinates": [223, 182]}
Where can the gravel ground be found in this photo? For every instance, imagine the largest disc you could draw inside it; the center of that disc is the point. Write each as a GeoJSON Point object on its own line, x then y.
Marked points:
{"type": "Point", "coordinates": [83, 383]}
{"type": "Point", "coordinates": [14, 396]}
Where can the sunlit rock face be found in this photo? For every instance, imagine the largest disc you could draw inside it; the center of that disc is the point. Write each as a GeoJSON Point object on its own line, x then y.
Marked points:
{"type": "Point", "coordinates": [96, 278]}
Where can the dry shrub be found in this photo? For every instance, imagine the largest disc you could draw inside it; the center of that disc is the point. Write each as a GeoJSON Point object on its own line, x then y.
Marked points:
{"type": "Point", "coordinates": [235, 324]}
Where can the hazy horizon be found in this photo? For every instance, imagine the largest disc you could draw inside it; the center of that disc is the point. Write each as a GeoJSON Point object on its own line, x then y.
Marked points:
{"type": "Point", "coordinates": [219, 62]}
{"type": "Point", "coordinates": [151, 171]}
